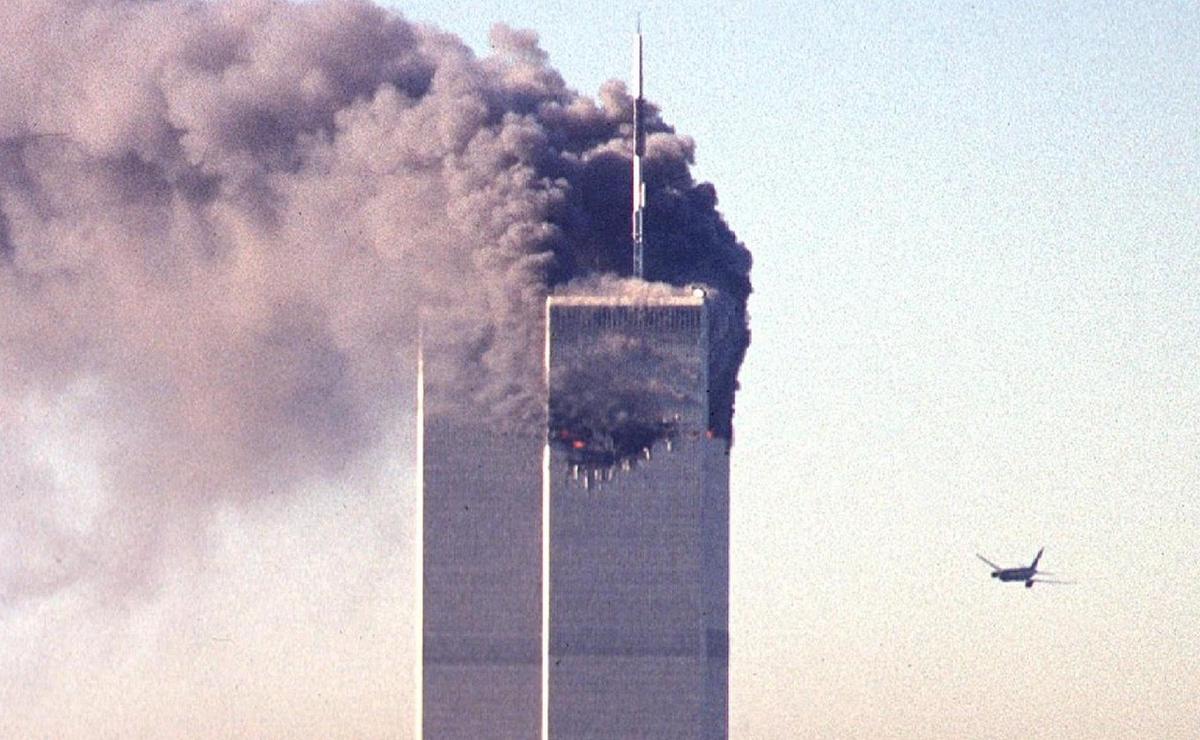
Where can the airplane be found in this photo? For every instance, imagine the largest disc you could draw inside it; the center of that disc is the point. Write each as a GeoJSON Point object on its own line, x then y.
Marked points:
{"type": "Point", "coordinates": [1028, 574]}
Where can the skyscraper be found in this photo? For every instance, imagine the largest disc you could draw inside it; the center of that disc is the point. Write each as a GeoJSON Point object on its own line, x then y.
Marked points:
{"type": "Point", "coordinates": [636, 521]}
{"type": "Point", "coordinates": [481, 563]}
{"type": "Point", "coordinates": [575, 568]}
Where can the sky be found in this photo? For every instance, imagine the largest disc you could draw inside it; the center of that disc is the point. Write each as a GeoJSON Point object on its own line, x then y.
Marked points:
{"type": "Point", "coordinates": [976, 324]}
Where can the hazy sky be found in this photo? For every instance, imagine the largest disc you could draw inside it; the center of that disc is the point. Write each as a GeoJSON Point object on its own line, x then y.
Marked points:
{"type": "Point", "coordinates": [976, 325]}
{"type": "Point", "coordinates": [975, 329]}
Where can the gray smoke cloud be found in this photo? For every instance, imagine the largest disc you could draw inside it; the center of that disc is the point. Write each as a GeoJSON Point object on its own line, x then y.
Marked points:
{"type": "Point", "coordinates": [220, 222]}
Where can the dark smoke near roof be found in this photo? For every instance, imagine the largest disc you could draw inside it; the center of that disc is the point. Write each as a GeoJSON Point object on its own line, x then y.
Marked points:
{"type": "Point", "coordinates": [621, 382]}
{"type": "Point", "coordinates": [619, 387]}
{"type": "Point", "coordinates": [219, 221]}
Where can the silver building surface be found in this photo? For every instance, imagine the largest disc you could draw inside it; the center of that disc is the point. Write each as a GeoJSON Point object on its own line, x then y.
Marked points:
{"type": "Point", "coordinates": [636, 507]}
{"type": "Point", "coordinates": [481, 557]}
{"type": "Point", "coordinates": [575, 568]}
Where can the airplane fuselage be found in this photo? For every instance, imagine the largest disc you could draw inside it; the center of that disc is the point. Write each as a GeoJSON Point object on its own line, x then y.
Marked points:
{"type": "Point", "coordinates": [1024, 573]}
{"type": "Point", "coordinates": [1014, 574]}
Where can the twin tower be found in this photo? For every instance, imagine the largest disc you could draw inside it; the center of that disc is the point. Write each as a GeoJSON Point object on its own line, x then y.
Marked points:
{"type": "Point", "coordinates": [575, 570]}
{"type": "Point", "coordinates": [575, 567]}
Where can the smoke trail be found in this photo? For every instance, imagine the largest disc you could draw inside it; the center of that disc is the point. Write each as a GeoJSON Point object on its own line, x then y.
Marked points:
{"type": "Point", "coordinates": [218, 221]}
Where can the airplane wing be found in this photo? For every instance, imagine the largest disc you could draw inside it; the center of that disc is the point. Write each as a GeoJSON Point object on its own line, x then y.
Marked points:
{"type": "Point", "coordinates": [994, 566]}
{"type": "Point", "coordinates": [1048, 580]}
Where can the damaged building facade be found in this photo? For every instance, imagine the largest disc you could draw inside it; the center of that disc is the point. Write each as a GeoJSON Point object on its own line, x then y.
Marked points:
{"type": "Point", "coordinates": [576, 579]}
{"type": "Point", "coordinates": [575, 558]}
{"type": "Point", "coordinates": [636, 522]}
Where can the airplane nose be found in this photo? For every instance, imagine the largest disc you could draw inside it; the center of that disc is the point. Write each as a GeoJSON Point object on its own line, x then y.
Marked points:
{"type": "Point", "coordinates": [995, 575]}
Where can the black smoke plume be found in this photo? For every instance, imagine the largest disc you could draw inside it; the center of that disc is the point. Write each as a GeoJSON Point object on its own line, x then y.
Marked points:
{"type": "Point", "coordinates": [220, 221]}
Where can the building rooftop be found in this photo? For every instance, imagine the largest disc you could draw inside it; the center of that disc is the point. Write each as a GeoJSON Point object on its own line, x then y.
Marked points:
{"type": "Point", "coordinates": [684, 297]}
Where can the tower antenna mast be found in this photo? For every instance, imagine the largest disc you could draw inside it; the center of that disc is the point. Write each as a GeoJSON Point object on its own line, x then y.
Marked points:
{"type": "Point", "coordinates": [639, 149]}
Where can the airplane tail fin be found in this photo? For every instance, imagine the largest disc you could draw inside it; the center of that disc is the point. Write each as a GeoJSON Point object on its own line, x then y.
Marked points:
{"type": "Point", "coordinates": [1037, 558]}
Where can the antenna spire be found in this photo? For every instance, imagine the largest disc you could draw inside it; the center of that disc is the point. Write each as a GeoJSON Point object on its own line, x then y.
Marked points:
{"type": "Point", "coordinates": [639, 149]}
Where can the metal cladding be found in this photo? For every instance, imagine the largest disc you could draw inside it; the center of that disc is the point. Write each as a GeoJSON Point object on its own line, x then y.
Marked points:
{"type": "Point", "coordinates": [636, 542]}
{"type": "Point", "coordinates": [480, 553]}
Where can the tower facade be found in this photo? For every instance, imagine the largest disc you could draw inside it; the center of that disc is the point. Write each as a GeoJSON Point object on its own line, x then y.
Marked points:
{"type": "Point", "coordinates": [481, 562]}
{"type": "Point", "coordinates": [635, 522]}
{"type": "Point", "coordinates": [575, 568]}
